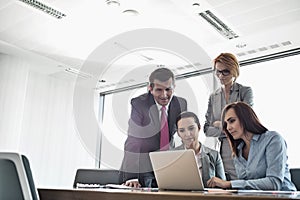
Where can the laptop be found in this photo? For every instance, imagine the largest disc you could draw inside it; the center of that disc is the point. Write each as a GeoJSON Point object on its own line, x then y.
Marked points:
{"type": "Point", "coordinates": [176, 170]}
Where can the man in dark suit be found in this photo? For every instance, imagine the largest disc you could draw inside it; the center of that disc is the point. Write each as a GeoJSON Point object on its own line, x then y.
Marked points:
{"type": "Point", "coordinates": [144, 132]}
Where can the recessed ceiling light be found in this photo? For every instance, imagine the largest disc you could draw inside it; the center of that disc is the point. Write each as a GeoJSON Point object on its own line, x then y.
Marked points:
{"type": "Point", "coordinates": [78, 73]}
{"type": "Point", "coordinates": [113, 2]}
{"type": "Point", "coordinates": [131, 12]}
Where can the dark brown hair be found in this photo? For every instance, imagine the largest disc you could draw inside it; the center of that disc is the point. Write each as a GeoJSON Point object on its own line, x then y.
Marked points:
{"type": "Point", "coordinates": [161, 74]}
{"type": "Point", "coordinates": [187, 114]}
{"type": "Point", "coordinates": [248, 120]}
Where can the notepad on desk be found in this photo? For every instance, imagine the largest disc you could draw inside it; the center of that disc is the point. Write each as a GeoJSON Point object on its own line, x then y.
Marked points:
{"type": "Point", "coordinates": [117, 186]}
{"type": "Point", "coordinates": [90, 186]}
{"type": "Point", "coordinates": [95, 186]}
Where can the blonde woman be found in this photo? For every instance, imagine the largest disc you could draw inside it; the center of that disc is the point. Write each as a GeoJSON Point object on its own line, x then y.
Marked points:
{"type": "Point", "coordinates": [226, 69]}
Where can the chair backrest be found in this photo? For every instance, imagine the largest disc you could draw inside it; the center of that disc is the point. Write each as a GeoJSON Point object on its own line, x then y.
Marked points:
{"type": "Point", "coordinates": [96, 176]}
{"type": "Point", "coordinates": [16, 180]}
{"type": "Point", "coordinates": [295, 176]}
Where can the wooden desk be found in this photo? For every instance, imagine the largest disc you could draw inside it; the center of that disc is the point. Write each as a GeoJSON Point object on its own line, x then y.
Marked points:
{"type": "Point", "coordinates": [112, 194]}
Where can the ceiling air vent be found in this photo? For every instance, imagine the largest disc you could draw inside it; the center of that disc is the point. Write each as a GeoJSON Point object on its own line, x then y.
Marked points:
{"type": "Point", "coordinates": [43, 7]}
{"type": "Point", "coordinates": [262, 48]}
{"type": "Point", "coordinates": [286, 43]}
{"type": "Point", "coordinates": [78, 73]}
{"type": "Point", "coordinates": [272, 46]}
{"type": "Point", "coordinates": [220, 26]}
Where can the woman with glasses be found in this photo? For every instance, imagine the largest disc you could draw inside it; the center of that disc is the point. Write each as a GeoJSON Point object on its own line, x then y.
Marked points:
{"type": "Point", "coordinates": [260, 155]}
{"type": "Point", "coordinates": [226, 69]}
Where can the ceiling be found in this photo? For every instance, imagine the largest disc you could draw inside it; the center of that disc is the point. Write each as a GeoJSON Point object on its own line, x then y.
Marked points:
{"type": "Point", "coordinates": [97, 38]}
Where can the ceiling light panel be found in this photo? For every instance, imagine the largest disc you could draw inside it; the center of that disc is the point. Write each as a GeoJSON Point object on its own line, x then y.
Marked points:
{"type": "Point", "coordinates": [220, 26]}
{"type": "Point", "coordinates": [45, 8]}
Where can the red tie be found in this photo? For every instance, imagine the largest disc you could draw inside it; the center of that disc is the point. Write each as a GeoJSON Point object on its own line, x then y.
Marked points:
{"type": "Point", "coordinates": [164, 130]}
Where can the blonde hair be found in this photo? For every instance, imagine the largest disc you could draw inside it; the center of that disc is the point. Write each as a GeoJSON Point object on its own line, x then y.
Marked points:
{"type": "Point", "coordinates": [231, 63]}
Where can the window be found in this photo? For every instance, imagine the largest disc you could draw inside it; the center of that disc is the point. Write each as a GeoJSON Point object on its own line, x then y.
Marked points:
{"type": "Point", "coordinates": [276, 102]}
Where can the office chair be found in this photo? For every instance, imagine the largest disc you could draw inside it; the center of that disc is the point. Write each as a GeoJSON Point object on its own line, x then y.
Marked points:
{"type": "Point", "coordinates": [295, 176]}
{"type": "Point", "coordinates": [96, 176]}
{"type": "Point", "coordinates": [16, 180]}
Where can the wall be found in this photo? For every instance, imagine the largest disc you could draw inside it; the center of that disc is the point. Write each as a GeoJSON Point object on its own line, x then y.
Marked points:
{"type": "Point", "coordinates": [37, 120]}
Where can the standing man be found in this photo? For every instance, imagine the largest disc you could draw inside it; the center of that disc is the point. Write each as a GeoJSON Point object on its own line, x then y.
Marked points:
{"type": "Point", "coordinates": [151, 128]}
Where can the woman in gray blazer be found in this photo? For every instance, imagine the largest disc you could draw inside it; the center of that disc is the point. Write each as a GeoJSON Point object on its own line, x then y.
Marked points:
{"type": "Point", "coordinates": [226, 68]}
{"type": "Point", "coordinates": [209, 160]}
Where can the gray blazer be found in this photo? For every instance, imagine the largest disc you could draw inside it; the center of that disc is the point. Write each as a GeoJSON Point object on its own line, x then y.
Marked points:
{"type": "Point", "coordinates": [212, 164]}
{"type": "Point", "coordinates": [214, 111]}
{"type": "Point", "coordinates": [217, 102]}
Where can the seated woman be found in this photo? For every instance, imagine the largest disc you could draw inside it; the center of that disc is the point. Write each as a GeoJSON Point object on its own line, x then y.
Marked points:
{"type": "Point", "coordinates": [260, 155]}
{"type": "Point", "coordinates": [209, 161]}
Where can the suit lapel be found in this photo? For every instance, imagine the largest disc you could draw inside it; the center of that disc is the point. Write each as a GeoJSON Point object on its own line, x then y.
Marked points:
{"type": "Point", "coordinates": [234, 96]}
{"type": "Point", "coordinates": [217, 104]}
{"type": "Point", "coordinates": [173, 109]}
{"type": "Point", "coordinates": [153, 112]}
{"type": "Point", "coordinates": [205, 167]}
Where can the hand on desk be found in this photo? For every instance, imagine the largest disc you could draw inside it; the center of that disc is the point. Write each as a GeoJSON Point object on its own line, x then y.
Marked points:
{"type": "Point", "coordinates": [132, 183]}
{"type": "Point", "coordinates": [217, 182]}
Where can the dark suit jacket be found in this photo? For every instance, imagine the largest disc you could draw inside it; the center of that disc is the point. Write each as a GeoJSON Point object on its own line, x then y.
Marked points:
{"type": "Point", "coordinates": [144, 135]}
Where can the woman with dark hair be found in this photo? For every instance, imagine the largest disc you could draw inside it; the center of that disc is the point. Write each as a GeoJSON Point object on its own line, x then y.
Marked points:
{"type": "Point", "coordinates": [260, 156]}
{"type": "Point", "coordinates": [209, 160]}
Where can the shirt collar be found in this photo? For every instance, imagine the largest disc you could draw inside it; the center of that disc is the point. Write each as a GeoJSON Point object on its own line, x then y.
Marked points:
{"type": "Point", "coordinates": [254, 137]}
{"type": "Point", "coordinates": [234, 87]}
{"type": "Point", "coordinates": [241, 145]}
{"type": "Point", "coordinates": [201, 150]}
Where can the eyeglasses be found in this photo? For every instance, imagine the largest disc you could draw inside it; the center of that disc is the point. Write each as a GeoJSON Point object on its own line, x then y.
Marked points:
{"type": "Point", "coordinates": [224, 72]}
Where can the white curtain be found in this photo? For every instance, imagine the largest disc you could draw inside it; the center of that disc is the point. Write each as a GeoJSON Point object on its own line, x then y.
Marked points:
{"type": "Point", "coordinates": [37, 120]}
